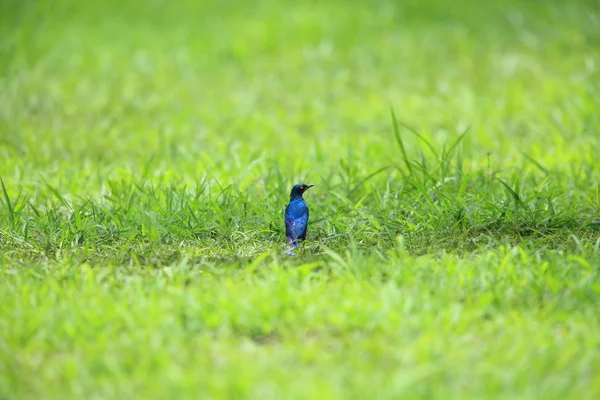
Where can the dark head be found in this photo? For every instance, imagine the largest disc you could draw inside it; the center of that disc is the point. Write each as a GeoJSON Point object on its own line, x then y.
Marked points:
{"type": "Point", "coordinates": [298, 190]}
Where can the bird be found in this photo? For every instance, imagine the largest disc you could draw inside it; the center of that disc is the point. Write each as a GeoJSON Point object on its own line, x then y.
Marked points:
{"type": "Point", "coordinates": [296, 216]}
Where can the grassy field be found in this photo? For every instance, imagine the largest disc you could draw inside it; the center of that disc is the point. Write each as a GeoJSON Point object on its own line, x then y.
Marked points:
{"type": "Point", "coordinates": [147, 151]}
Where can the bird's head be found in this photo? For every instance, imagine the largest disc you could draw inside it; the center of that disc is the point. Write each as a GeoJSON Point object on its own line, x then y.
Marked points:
{"type": "Point", "coordinates": [298, 190]}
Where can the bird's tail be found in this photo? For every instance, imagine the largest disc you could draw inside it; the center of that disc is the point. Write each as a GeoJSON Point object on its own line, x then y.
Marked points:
{"type": "Point", "coordinates": [293, 245]}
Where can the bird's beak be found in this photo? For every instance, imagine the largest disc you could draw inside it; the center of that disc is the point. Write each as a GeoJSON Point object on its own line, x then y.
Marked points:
{"type": "Point", "coordinates": [309, 186]}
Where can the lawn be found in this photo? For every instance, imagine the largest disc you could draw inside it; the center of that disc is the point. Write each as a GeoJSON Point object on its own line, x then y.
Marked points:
{"type": "Point", "coordinates": [147, 152]}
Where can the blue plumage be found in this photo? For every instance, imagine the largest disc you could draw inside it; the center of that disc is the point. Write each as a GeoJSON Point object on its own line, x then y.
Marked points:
{"type": "Point", "coordinates": [296, 216]}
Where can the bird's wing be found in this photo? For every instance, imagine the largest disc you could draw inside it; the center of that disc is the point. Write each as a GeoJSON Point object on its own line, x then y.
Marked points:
{"type": "Point", "coordinates": [296, 219]}
{"type": "Point", "coordinates": [295, 227]}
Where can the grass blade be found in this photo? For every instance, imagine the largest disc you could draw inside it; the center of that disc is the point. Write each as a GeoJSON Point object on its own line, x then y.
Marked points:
{"type": "Point", "coordinates": [513, 194]}
{"type": "Point", "coordinates": [11, 212]}
{"type": "Point", "coordinates": [399, 141]}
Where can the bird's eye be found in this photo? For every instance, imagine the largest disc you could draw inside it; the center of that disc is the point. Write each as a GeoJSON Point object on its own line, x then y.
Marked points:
{"type": "Point", "coordinates": [302, 187]}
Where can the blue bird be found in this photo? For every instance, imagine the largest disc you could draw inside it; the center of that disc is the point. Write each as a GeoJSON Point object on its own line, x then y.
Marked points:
{"type": "Point", "coordinates": [296, 216]}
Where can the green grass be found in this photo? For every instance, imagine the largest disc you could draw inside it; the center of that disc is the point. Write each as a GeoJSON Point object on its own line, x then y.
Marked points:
{"type": "Point", "coordinates": [148, 151]}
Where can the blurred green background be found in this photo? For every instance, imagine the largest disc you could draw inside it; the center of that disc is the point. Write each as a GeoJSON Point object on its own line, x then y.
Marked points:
{"type": "Point", "coordinates": [182, 86]}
